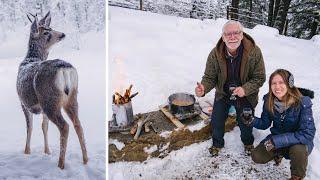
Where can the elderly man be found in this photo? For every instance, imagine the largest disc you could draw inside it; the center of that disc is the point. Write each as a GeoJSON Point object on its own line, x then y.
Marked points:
{"type": "Point", "coordinates": [235, 67]}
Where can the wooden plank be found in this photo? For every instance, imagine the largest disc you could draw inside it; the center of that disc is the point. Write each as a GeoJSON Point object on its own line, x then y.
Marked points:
{"type": "Point", "coordinates": [173, 119]}
{"type": "Point", "coordinates": [204, 116]}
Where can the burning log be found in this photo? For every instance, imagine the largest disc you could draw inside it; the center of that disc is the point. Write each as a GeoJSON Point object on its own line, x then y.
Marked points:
{"type": "Point", "coordinates": [128, 91]}
{"type": "Point", "coordinates": [119, 99]}
{"type": "Point", "coordinates": [133, 95]}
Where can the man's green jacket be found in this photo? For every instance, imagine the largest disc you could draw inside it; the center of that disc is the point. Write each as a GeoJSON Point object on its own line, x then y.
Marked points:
{"type": "Point", "coordinates": [252, 70]}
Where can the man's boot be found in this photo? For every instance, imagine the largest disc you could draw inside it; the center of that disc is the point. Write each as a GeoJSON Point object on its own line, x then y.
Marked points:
{"type": "Point", "coordinates": [248, 149]}
{"type": "Point", "coordinates": [293, 177]}
{"type": "Point", "coordinates": [277, 159]}
{"type": "Point", "coordinates": [214, 151]}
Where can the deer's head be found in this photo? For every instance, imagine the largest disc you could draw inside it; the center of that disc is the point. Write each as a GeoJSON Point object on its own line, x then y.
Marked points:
{"type": "Point", "coordinates": [42, 33]}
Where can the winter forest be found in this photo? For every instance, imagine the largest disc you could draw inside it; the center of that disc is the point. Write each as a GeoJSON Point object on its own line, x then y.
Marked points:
{"type": "Point", "coordinates": [296, 18]}
{"type": "Point", "coordinates": [72, 16]}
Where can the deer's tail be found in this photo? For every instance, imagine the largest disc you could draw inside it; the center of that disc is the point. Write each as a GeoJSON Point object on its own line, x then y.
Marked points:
{"type": "Point", "coordinates": [67, 80]}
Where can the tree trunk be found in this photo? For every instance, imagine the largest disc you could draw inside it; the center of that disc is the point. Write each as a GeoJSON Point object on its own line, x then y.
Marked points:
{"type": "Point", "coordinates": [234, 9]}
{"type": "Point", "coordinates": [283, 15]}
{"type": "Point", "coordinates": [314, 27]}
{"type": "Point", "coordinates": [270, 13]}
{"type": "Point", "coordinates": [275, 12]}
{"type": "Point", "coordinates": [285, 27]}
{"type": "Point", "coordinates": [141, 5]}
{"type": "Point", "coordinates": [193, 12]}
{"type": "Point", "coordinates": [250, 13]}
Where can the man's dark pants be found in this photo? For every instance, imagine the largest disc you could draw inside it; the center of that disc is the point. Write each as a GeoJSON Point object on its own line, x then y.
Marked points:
{"type": "Point", "coordinates": [219, 116]}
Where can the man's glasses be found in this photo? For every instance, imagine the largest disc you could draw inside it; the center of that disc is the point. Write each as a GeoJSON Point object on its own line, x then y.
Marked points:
{"type": "Point", "coordinates": [234, 33]}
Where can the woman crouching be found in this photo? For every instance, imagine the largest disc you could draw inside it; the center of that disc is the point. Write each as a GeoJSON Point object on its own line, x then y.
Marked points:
{"type": "Point", "coordinates": [292, 130]}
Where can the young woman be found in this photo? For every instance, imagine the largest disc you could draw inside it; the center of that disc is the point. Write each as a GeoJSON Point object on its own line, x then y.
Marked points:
{"type": "Point", "coordinates": [292, 130]}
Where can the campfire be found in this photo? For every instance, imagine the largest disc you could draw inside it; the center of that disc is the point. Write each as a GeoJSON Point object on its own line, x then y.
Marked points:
{"type": "Point", "coordinates": [118, 99]}
{"type": "Point", "coordinates": [122, 117]}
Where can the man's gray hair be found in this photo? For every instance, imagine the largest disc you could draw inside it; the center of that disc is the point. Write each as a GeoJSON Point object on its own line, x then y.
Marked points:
{"type": "Point", "coordinates": [232, 22]}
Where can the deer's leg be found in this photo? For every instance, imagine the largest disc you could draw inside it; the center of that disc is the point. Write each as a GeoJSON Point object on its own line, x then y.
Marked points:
{"type": "Point", "coordinates": [71, 108]}
{"type": "Point", "coordinates": [64, 132]}
{"type": "Point", "coordinates": [29, 121]}
{"type": "Point", "coordinates": [45, 133]}
{"type": "Point", "coordinates": [63, 127]}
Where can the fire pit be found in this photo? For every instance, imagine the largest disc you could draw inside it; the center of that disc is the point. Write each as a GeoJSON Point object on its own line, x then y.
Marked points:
{"type": "Point", "coordinates": [122, 117]}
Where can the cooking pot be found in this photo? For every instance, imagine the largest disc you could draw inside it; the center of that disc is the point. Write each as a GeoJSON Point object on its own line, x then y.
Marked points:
{"type": "Point", "coordinates": [181, 103]}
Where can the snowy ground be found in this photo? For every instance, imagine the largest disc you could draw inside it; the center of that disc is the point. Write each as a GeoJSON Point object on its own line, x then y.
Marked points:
{"type": "Point", "coordinates": [161, 55]}
{"type": "Point", "coordinates": [90, 63]}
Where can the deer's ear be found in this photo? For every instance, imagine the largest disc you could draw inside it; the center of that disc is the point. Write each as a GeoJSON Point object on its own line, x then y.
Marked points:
{"type": "Point", "coordinates": [29, 18]}
{"type": "Point", "coordinates": [46, 20]}
{"type": "Point", "coordinates": [34, 26]}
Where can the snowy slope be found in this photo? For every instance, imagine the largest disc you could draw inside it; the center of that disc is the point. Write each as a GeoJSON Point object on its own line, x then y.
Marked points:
{"type": "Point", "coordinates": [161, 55]}
{"type": "Point", "coordinates": [90, 63]}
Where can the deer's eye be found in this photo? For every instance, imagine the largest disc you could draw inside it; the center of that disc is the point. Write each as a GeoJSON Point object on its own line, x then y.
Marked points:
{"type": "Point", "coordinates": [45, 33]}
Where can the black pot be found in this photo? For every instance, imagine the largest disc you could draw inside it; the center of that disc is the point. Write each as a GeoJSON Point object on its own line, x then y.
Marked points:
{"type": "Point", "coordinates": [181, 103]}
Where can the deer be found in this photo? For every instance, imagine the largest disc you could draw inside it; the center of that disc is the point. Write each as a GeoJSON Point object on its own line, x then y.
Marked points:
{"type": "Point", "coordinates": [45, 87]}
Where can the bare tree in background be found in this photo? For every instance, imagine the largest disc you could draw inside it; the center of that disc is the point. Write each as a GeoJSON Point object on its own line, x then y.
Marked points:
{"type": "Point", "coordinates": [234, 10]}
{"type": "Point", "coordinates": [281, 20]}
{"type": "Point", "coordinates": [273, 11]}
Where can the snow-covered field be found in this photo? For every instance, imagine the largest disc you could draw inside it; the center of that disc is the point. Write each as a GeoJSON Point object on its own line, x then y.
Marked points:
{"type": "Point", "coordinates": [90, 63]}
{"type": "Point", "coordinates": [161, 55]}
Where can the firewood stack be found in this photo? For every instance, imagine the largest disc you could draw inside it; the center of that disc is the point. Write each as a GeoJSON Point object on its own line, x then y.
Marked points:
{"type": "Point", "coordinates": [118, 99]}
{"type": "Point", "coordinates": [146, 123]}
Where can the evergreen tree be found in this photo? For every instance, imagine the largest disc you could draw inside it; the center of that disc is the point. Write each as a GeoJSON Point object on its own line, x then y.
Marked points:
{"type": "Point", "coordinates": [304, 18]}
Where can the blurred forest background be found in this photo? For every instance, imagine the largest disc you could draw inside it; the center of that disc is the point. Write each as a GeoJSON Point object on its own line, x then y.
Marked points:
{"type": "Point", "coordinates": [72, 17]}
{"type": "Point", "coordinates": [296, 18]}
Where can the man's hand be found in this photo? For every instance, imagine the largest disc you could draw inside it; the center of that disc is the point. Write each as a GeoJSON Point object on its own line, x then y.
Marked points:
{"type": "Point", "coordinates": [247, 119]}
{"type": "Point", "coordinates": [239, 91]}
{"type": "Point", "coordinates": [199, 90]}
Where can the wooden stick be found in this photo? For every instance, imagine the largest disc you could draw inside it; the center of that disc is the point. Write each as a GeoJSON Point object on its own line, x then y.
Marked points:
{"type": "Point", "coordinates": [147, 127]}
{"type": "Point", "coordinates": [204, 116]}
{"type": "Point", "coordinates": [118, 94]}
{"type": "Point", "coordinates": [133, 130]}
{"type": "Point", "coordinates": [113, 99]}
{"type": "Point", "coordinates": [127, 94]}
{"type": "Point", "coordinates": [121, 99]}
{"type": "Point", "coordinates": [133, 95]}
{"type": "Point", "coordinates": [129, 89]}
{"type": "Point", "coordinates": [118, 129]}
{"type": "Point", "coordinates": [154, 128]}
{"type": "Point", "coordinates": [140, 124]}
{"type": "Point", "coordinates": [173, 119]}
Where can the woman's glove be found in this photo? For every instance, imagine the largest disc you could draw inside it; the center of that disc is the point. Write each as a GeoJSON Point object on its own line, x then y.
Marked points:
{"type": "Point", "coordinates": [269, 145]}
